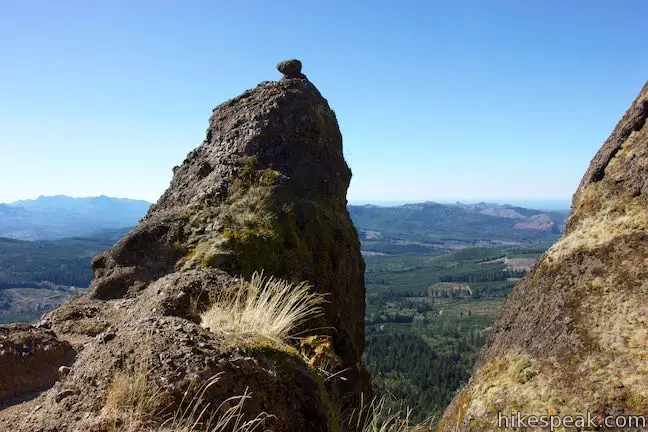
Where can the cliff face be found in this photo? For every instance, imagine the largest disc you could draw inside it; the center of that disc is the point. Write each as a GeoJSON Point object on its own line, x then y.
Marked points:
{"type": "Point", "coordinates": [266, 190]}
{"type": "Point", "coordinates": [573, 336]}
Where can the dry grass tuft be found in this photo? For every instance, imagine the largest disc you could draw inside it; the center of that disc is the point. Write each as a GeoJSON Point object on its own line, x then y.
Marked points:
{"type": "Point", "coordinates": [134, 404]}
{"type": "Point", "coordinates": [603, 219]}
{"type": "Point", "coordinates": [269, 307]}
{"type": "Point", "coordinates": [377, 416]}
{"type": "Point", "coordinates": [130, 395]}
{"type": "Point", "coordinates": [194, 416]}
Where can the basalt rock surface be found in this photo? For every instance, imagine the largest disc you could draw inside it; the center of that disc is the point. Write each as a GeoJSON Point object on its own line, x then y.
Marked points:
{"type": "Point", "coordinates": [266, 190]}
{"type": "Point", "coordinates": [30, 359]}
{"type": "Point", "coordinates": [291, 69]}
{"type": "Point", "coordinates": [573, 336]}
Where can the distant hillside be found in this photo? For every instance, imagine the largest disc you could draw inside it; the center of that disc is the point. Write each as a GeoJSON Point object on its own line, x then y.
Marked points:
{"type": "Point", "coordinates": [57, 217]}
{"type": "Point", "coordinates": [37, 276]}
{"type": "Point", "coordinates": [64, 262]}
{"type": "Point", "coordinates": [413, 229]}
{"type": "Point", "coordinates": [439, 223]}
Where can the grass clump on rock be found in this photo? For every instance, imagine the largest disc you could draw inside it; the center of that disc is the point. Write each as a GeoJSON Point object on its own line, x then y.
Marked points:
{"type": "Point", "coordinates": [264, 306]}
{"type": "Point", "coordinates": [378, 416]}
{"type": "Point", "coordinates": [135, 404]}
{"type": "Point", "coordinates": [133, 399]}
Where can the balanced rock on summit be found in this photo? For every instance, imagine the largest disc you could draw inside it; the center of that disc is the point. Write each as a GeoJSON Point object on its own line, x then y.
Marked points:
{"type": "Point", "coordinates": [291, 69]}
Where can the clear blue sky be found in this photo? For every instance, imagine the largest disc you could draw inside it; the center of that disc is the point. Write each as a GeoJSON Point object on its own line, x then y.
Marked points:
{"type": "Point", "coordinates": [443, 101]}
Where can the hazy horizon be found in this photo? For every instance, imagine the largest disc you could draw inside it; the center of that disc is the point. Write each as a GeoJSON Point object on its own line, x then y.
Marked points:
{"type": "Point", "coordinates": [436, 101]}
{"type": "Point", "coordinates": [548, 204]}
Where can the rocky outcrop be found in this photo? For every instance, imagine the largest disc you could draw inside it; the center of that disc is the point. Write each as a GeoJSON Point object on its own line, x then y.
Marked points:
{"type": "Point", "coordinates": [291, 69]}
{"type": "Point", "coordinates": [266, 190]}
{"type": "Point", "coordinates": [30, 359]}
{"type": "Point", "coordinates": [573, 336]}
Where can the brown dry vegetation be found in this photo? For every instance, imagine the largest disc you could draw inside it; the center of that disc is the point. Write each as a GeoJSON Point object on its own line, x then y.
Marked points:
{"type": "Point", "coordinates": [261, 314]}
{"type": "Point", "coordinates": [264, 306]}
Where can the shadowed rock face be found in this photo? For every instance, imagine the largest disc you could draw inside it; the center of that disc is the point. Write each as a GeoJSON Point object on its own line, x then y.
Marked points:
{"type": "Point", "coordinates": [30, 359]}
{"type": "Point", "coordinates": [266, 190]}
{"type": "Point", "coordinates": [291, 68]}
{"type": "Point", "coordinates": [573, 335]}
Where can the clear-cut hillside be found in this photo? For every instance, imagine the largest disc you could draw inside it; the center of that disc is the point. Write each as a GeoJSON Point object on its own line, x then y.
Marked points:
{"type": "Point", "coordinates": [266, 190]}
{"type": "Point", "coordinates": [573, 336]}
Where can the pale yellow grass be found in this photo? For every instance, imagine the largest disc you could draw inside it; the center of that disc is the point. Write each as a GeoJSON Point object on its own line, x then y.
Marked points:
{"type": "Point", "coordinates": [264, 306]}
{"type": "Point", "coordinates": [194, 416]}
{"type": "Point", "coordinates": [617, 216]}
{"type": "Point", "coordinates": [377, 416]}
{"type": "Point", "coordinates": [135, 404]}
{"type": "Point", "coordinates": [132, 398]}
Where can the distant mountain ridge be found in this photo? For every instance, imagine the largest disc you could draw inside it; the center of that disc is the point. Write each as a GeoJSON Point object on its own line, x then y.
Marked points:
{"type": "Point", "coordinates": [57, 217]}
{"type": "Point", "coordinates": [433, 222]}
{"type": "Point", "coordinates": [536, 204]}
{"type": "Point", "coordinates": [61, 216]}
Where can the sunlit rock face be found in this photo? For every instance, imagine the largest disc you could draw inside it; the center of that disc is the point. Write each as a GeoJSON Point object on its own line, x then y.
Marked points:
{"type": "Point", "coordinates": [573, 336]}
